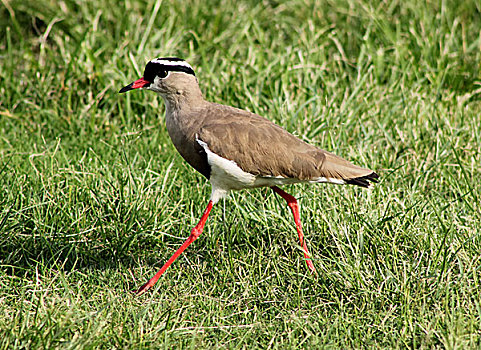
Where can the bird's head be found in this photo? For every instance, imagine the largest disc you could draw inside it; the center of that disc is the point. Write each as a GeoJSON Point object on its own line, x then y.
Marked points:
{"type": "Point", "coordinates": [168, 76]}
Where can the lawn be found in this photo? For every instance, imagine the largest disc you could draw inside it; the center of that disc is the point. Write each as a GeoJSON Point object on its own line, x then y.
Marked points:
{"type": "Point", "coordinates": [94, 198]}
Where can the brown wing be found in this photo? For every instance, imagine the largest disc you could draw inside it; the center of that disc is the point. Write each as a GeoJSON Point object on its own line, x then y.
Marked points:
{"type": "Point", "coordinates": [263, 148]}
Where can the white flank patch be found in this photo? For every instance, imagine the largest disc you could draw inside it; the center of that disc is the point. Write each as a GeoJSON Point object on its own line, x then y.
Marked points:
{"type": "Point", "coordinates": [269, 181]}
{"type": "Point", "coordinates": [171, 63]}
{"type": "Point", "coordinates": [330, 180]}
{"type": "Point", "coordinates": [225, 174]}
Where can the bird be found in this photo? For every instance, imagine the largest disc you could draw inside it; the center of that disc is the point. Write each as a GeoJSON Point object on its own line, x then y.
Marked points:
{"type": "Point", "coordinates": [236, 149]}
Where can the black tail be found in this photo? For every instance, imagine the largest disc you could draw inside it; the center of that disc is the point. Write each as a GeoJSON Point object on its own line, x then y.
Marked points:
{"type": "Point", "coordinates": [364, 181]}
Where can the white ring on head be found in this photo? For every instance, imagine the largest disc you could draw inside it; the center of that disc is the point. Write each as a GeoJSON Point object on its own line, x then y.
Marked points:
{"type": "Point", "coordinates": [171, 63]}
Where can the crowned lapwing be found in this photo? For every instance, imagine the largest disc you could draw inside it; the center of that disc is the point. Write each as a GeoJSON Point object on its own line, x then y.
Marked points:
{"type": "Point", "coordinates": [235, 149]}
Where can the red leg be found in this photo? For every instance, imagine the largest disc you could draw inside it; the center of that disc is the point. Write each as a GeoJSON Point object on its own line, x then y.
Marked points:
{"type": "Point", "coordinates": [196, 231]}
{"type": "Point", "coordinates": [292, 203]}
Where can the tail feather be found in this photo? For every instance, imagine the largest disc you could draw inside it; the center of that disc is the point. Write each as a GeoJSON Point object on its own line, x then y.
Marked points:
{"type": "Point", "coordinates": [364, 181]}
{"type": "Point", "coordinates": [334, 167]}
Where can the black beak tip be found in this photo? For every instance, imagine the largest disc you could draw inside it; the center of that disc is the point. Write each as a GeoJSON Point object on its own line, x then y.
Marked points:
{"type": "Point", "coordinates": [126, 88]}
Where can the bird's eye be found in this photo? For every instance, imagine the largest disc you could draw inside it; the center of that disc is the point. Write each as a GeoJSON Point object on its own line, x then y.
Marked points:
{"type": "Point", "coordinates": [162, 74]}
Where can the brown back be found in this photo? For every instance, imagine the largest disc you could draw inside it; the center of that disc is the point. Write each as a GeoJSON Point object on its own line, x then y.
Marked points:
{"type": "Point", "coordinates": [263, 148]}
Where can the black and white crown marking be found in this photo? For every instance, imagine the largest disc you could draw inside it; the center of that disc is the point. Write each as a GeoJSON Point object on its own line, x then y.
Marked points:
{"type": "Point", "coordinates": [160, 67]}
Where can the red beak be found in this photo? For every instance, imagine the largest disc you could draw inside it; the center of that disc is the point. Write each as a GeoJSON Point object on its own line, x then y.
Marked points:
{"type": "Point", "coordinates": [135, 85]}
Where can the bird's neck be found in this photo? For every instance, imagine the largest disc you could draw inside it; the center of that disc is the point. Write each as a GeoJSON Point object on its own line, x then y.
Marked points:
{"type": "Point", "coordinates": [183, 100]}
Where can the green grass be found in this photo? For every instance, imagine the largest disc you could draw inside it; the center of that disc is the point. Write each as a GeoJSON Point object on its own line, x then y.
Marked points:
{"type": "Point", "coordinates": [94, 198]}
